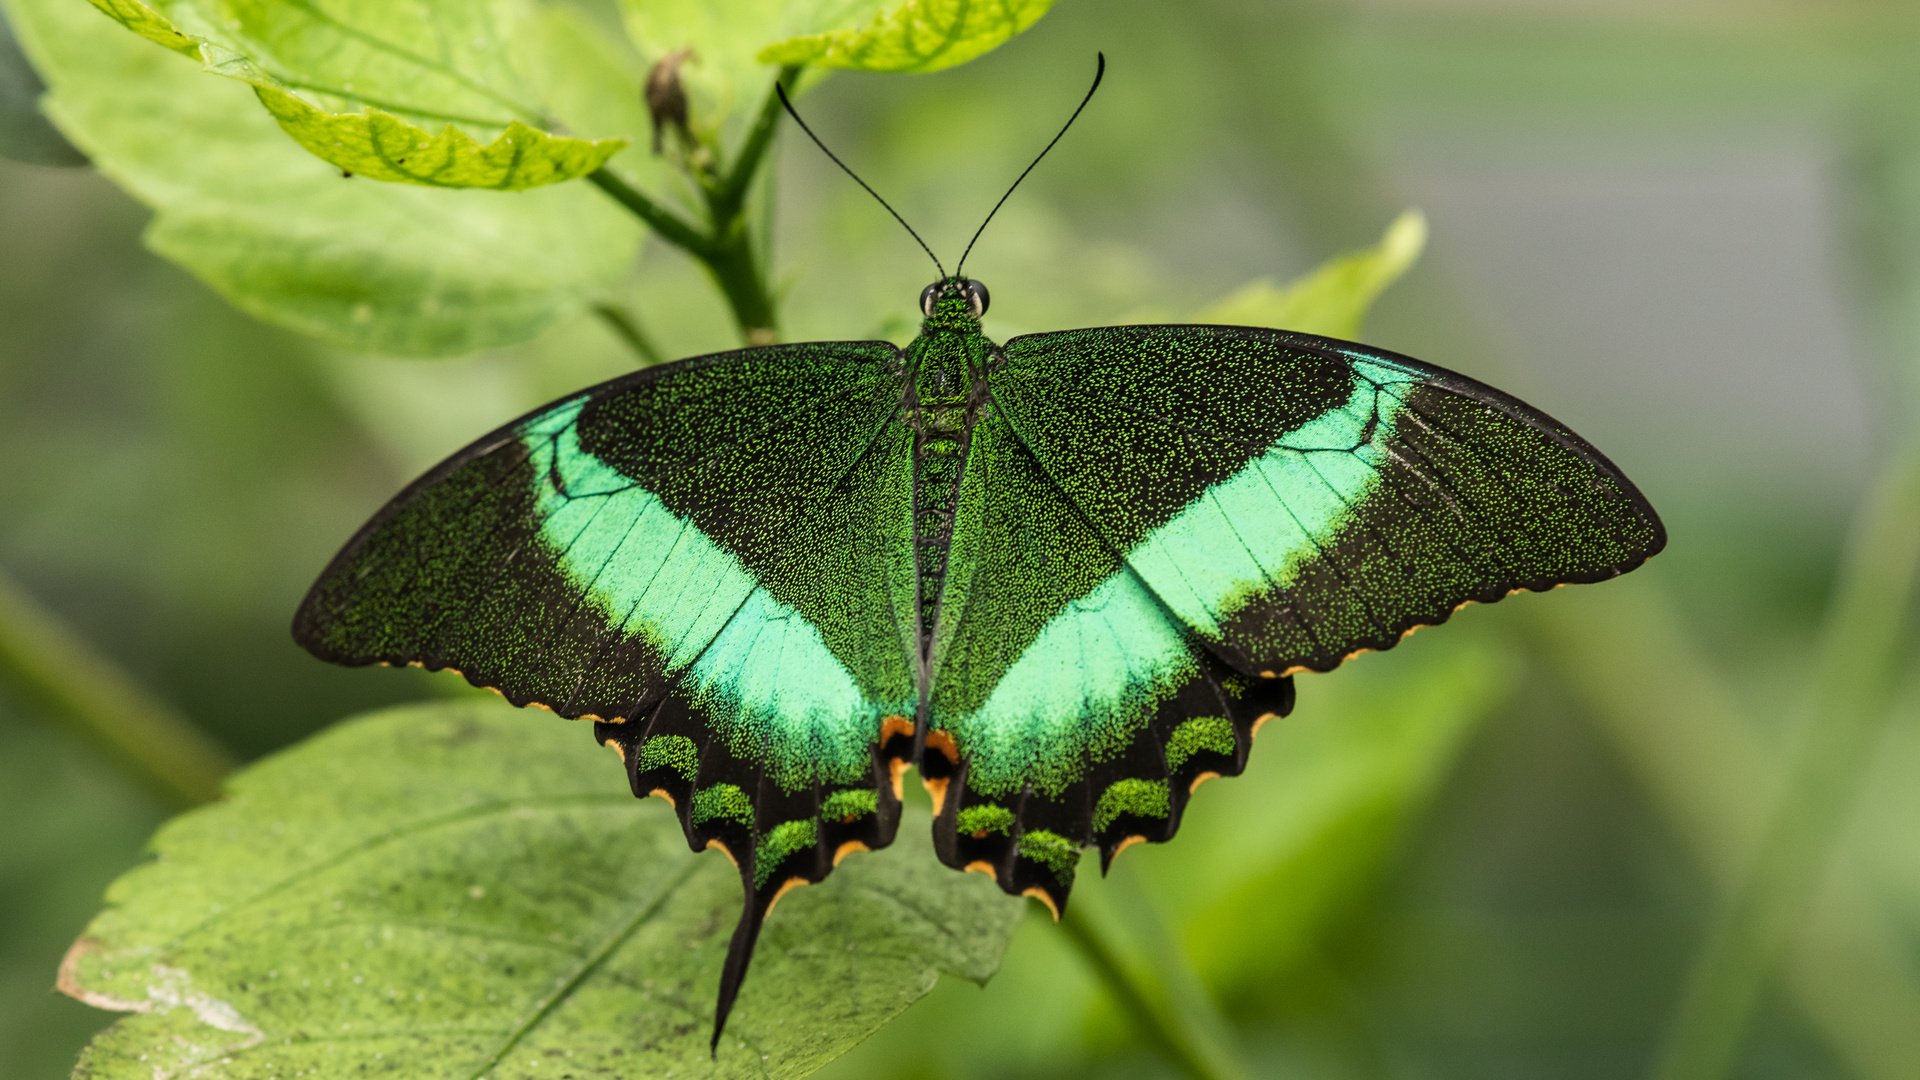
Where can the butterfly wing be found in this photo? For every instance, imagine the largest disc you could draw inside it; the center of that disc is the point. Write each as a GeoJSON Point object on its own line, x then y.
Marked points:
{"type": "Point", "coordinates": [711, 559]}
{"type": "Point", "coordinates": [1069, 706]}
{"type": "Point", "coordinates": [1157, 526]}
{"type": "Point", "coordinates": [1295, 500]}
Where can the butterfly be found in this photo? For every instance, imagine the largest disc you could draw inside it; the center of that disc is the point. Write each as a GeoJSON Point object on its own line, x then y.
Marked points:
{"type": "Point", "coordinates": [1065, 577]}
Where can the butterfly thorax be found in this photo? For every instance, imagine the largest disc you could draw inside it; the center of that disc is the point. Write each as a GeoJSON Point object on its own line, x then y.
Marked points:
{"type": "Point", "coordinates": [946, 385]}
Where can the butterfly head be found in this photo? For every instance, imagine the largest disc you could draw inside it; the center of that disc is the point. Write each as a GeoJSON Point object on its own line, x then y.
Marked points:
{"type": "Point", "coordinates": [953, 303]}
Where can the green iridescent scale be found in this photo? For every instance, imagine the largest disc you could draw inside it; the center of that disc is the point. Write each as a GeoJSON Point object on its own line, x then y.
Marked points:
{"type": "Point", "coordinates": [1066, 578]}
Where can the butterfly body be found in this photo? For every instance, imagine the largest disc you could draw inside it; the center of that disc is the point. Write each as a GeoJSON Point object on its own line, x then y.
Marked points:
{"type": "Point", "coordinates": [1067, 577]}
{"type": "Point", "coordinates": [945, 389]}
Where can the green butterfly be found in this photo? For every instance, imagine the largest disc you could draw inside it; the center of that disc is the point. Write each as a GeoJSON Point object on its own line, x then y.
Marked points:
{"type": "Point", "coordinates": [1066, 577]}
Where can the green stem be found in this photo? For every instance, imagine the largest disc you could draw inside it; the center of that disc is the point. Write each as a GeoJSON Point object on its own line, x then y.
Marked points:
{"type": "Point", "coordinates": [48, 665]}
{"type": "Point", "coordinates": [1170, 1031]}
{"type": "Point", "coordinates": [736, 270]}
{"type": "Point", "coordinates": [671, 227]}
{"type": "Point", "coordinates": [1861, 648]}
{"type": "Point", "coordinates": [627, 329]}
{"type": "Point", "coordinates": [726, 198]}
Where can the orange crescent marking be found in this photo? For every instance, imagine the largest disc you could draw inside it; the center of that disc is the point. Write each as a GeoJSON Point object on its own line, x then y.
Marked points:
{"type": "Point", "coordinates": [1201, 779]}
{"type": "Point", "coordinates": [847, 849]}
{"type": "Point", "coordinates": [943, 742]}
{"type": "Point", "coordinates": [982, 866]}
{"type": "Point", "coordinates": [895, 725]}
{"type": "Point", "coordinates": [724, 850]}
{"type": "Point", "coordinates": [1123, 845]}
{"type": "Point", "coordinates": [1260, 723]}
{"type": "Point", "coordinates": [898, 767]}
{"type": "Point", "coordinates": [661, 793]}
{"type": "Point", "coordinates": [1040, 894]}
{"type": "Point", "coordinates": [614, 745]}
{"type": "Point", "coordinates": [938, 790]}
{"type": "Point", "coordinates": [786, 887]}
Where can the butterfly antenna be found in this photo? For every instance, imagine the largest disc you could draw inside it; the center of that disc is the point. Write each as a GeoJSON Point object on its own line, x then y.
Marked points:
{"type": "Point", "coordinates": [1098, 72]}
{"type": "Point", "coordinates": [835, 158]}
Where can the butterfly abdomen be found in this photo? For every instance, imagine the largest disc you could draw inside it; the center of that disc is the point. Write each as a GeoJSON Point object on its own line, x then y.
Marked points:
{"type": "Point", "coordinates": [939, 406]}
{"type": "Point", "coordinates": [937, 455]}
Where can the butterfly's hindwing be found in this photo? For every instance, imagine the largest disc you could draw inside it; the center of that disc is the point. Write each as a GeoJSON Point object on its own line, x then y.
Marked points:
{"type": "Point", "coordinates": [777, 837]}
{"type": "Point", "coordinates": [1072, 708]}
{"type": "Point", "coordinates": [1030, 839]}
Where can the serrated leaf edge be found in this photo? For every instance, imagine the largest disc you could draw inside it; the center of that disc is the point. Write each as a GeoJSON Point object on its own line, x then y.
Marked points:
{"type": "Point", "coordinates": [574, 157]}
{"type": "Point", "coordinates": [842, 48]}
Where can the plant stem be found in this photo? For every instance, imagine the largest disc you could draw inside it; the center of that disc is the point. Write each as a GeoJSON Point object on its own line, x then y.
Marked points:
{"type": "Point", "coordinates": [1852, 687]}
{"type": "Point", "coordinates": [736, 271]}
{"type": "Point", "coordinates": [671, 227]}
{"type": "Point", "coordinates": [1168, 1029]}
{"type": "Point", "coordinates": [47, 664]}
{"type": "Point", "coordinates": [727, 256]}
{"type": "Point", "coordinates": [627, 329]}
{"type": "Point", "coordinates": [726, 198]}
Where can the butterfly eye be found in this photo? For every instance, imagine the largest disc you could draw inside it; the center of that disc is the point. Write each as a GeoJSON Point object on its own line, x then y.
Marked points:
{"type": "Point", "coordinates": [976, 297]}
{"type": "Point", "coordinates": [930, 296]}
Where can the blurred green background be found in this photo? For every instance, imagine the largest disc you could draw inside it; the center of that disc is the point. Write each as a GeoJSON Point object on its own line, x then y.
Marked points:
{"type": "Point", "coordinates": [1690, 230]}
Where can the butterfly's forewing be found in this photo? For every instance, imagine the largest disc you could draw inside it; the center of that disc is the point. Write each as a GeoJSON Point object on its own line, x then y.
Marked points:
{"type": "Point", "coordinates": [1071, 707]}
{"type": "Point", "coordinates": [711, 558]}
{"type": "Point", "coordinates": [1294, 500]}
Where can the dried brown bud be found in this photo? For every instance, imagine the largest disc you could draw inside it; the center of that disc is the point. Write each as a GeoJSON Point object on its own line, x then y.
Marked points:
{"type": "Point", "coordinates": [667, 99]}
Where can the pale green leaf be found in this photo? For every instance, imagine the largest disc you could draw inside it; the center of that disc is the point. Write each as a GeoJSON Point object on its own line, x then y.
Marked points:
{"type": "Point", "coordinates": [461, 889]}
{"type": "Point", "coordinates": [387, 267]}
{"type": "Point", "coordinates": [1333, 299]}
{"type": "Point", "coordinates": [360, 84]}
{"type": "Point", "coordinates": [915, 35]}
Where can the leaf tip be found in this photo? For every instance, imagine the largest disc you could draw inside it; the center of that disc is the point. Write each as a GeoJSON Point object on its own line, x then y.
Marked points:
{"type": "Point", "coordinates": [1406, 237]}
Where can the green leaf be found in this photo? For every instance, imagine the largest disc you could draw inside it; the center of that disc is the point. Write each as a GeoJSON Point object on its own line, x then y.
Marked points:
{"type": "Point", "coordinates": [734, 42]}
{"type": "Point", "coordinates": [387, 267]}
{"type": "Point", "coordinates": [918, 35]}
{"type": "Point", "coordinates": [356, 88]}
{"type": "Point", "coordinates": [1333, 299]}
{"type": "Point", "coordinates": [25, 135]}
{"type": "Point", "coordinates": [459, 889]}
{"type": "Point", "coordinates": [149, 24]}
